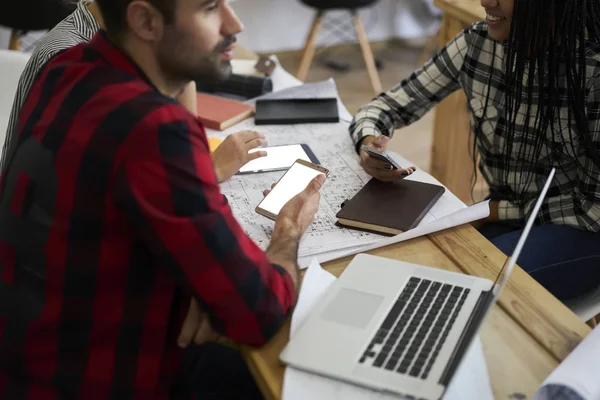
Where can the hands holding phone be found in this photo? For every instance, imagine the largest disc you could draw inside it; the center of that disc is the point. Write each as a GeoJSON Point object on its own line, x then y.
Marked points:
{"type": "Point", "coordinates": [377, 168]}
{"type": "Point", "coordinates": [298, 213]}
{"type": "Point", "coordinates": [291, 222]}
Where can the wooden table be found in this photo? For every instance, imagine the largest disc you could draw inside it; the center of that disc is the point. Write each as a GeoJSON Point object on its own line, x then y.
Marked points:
{"type": "Point", "coordinates": [528, 333]}
{"type": "Point", "coordinates": [451, 162]}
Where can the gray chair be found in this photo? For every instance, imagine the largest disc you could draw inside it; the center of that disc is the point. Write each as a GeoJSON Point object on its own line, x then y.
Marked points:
{"type": "Point", "coordinates": [34, 15]}
{"type": "Point", "coordinates": [322, 6]}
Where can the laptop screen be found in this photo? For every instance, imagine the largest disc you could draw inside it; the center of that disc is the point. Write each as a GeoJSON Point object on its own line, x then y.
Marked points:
{"type": "Point", "coordinates": [511, 261]}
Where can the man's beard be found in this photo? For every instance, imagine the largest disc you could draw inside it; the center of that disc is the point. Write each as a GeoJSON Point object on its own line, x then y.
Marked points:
{"type": "Point", "coordinates": [182, 61]}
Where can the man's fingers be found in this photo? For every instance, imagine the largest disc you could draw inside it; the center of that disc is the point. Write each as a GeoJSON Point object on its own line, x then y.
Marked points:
{"type": "Point", "coordinates": [315, 185]}
{"type": "Point", "coordinates": [190, 325]}
{"type": "Point", "coordinates": [267, 191]}
{"type": "Point", "coordinates": [246, 136]}
{"type": "Point", "coordinates": [254, 143]}
{"type": "Point", "coordinates": [204, 333]}
{"type": "Point", "coordinates": [256, 154]}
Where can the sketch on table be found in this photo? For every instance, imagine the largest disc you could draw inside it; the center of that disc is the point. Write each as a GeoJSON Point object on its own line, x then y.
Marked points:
{"type": "Point", "coordinates": [346, 178]}
{"type": "Point", "coordinates": [333, 147]}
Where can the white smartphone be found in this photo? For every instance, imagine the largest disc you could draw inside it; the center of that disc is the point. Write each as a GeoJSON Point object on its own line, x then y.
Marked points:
{"type": "Point", "coordinates": [279, 158]}
{"type": "Point", "coordinates": [294, 181]}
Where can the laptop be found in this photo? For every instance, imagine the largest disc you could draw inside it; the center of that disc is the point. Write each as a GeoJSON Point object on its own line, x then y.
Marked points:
{"type": "Point", "coordinates": [397, 327]}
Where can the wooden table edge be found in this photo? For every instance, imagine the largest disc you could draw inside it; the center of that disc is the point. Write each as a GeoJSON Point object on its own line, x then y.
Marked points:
{"type": "Point", "coordinates": [272, 386]}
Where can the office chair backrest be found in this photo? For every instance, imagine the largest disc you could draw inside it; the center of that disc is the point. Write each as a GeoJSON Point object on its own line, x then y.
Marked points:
{"type": "Point", "coordinates": [34, 15]}
{"type": "Point", "coordinates": [338, 4]}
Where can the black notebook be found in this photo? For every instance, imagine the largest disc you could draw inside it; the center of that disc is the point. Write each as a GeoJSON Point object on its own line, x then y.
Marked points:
{"type": "Point", "coordinates": [296, 111]}
{"type": "Point", "coordinates": [389, 208]}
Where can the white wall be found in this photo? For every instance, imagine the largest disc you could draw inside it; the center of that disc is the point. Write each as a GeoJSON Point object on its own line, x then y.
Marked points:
{"type": "Point", "coordinates": [276, 25]}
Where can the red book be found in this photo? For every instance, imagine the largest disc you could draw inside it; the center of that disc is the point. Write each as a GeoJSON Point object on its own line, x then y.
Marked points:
{"type": "Point", "coordinates": [220, 113]}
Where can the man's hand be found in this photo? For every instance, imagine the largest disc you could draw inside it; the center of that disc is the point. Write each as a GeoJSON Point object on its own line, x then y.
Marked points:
{"type": "Point", "coordinates": [293, 220]}
{"type": "Point", "coordinates": [232, 154]}
{"type": "Point", "coordinates": [299, 212]}
{"type": "Point", "coordinates": [379, 169]}
{"type": "Point", "coordinates": [197, 328]}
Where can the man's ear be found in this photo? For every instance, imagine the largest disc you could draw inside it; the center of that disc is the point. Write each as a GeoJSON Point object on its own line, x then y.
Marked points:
{"type": "Point", "coordinates": [144, 21]}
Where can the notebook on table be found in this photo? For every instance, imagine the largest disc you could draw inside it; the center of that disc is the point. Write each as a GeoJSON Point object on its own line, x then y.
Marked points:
{"type": "Point", "coordinates": [389, 208]}
{"type": "Point", "coordinates": [296, 111]}
{"type": "Point", "coordinates": [220, 113]}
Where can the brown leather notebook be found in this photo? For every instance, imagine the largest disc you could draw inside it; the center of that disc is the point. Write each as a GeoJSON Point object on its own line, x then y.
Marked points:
{"type": "Point", "coordinates": [220, 113]}
{"type": "Point", "coordinates": [389, 208]}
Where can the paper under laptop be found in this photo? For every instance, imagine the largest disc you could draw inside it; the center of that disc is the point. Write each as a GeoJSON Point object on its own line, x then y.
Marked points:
{"type": "Point", "coordinates": [501, 280]}
{"type": "Point", "coordinates": [470, 383]}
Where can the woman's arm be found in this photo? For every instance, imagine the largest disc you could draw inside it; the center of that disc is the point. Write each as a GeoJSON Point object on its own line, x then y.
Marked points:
{"type": "Point", "coordinates": [408, 101]}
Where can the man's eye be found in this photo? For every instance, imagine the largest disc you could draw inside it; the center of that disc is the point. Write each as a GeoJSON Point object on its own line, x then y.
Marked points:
{"type": "Point", "coordinates": [213, 6]}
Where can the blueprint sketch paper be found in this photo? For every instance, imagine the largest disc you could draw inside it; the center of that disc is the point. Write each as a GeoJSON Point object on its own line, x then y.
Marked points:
{"type": "Point", "coordinates": [333, 147]}
{"type": "Point", "coordinates": [470, 383]}
{"type": "Point", "coordinates": [578, 376]}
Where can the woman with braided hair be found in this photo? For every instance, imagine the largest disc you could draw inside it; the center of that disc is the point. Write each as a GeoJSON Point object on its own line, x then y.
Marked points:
{"type": "Point", "coordinates": [531, 73]}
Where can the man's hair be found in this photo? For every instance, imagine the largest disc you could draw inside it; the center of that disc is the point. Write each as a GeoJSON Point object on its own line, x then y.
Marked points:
{"type": "Point", "coordinates": [547, 47]}
{"type": "Point", "coordinates": [114, 13]}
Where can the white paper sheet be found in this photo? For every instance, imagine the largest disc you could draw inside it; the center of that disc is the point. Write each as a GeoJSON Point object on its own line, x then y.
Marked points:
{"type": "Point", "coordinates": [578, 376]}
{"type": "Point", "coordinates": [464, 216]}
{"type": "Point", "coordinates": [244, 67]}
{"type": "Point", "coordinates": [471, 382]}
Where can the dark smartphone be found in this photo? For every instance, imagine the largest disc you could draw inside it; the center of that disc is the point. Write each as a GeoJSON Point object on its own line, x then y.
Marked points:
{"type": "Point", "coordinates": [380, 156]}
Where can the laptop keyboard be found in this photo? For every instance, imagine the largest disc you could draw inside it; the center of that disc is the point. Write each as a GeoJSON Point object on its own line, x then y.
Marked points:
{"type": "Point", "coordinates": [414, 331]}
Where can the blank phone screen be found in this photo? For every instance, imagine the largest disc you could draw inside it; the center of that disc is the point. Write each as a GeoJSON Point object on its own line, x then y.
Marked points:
{"type": "Point", "coordinates": [295, 180]}
{"type": "Point", "coordinates": [277, 157]}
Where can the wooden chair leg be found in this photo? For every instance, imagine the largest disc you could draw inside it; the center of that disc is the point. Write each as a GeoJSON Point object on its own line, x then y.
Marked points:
{"type": "Point", "coordinates": [15, 41]}
{"type": "Point", "coordinates": [367, 54]}
{"type": "Point", "coordinates": [309, 47]}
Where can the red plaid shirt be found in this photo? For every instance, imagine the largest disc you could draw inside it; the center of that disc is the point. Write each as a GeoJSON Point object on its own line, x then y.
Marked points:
{"type": "Point", "coordinates": [110, 218]}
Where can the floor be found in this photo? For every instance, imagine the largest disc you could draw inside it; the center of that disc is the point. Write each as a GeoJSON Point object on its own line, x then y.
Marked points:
{"type": "Point", "coordinates": [399, 60]}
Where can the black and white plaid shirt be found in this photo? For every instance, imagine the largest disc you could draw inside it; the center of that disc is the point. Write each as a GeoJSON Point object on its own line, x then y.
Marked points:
{"type": "Point", "coordinates": [79, 27]}
{"type": "Point", "coordinates": [466, 63]}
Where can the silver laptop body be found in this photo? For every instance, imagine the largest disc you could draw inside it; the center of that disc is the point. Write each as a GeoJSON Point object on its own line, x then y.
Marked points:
{"type": "Point", "coordinates": [398, 327]}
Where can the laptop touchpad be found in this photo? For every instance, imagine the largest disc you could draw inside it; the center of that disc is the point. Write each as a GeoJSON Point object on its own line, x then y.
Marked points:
{"type": "Point", "coordinates": [352, 308]}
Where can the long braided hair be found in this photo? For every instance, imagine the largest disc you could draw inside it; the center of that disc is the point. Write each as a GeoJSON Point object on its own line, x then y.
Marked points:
{"type": "Point", "coordinates": [547, 50]}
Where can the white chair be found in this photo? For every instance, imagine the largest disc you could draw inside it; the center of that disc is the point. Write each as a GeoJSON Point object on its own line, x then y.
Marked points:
{"type": "Point", "coordinates": [12, 64]}
{"type": "Point", "coordinates": [587, 307]}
